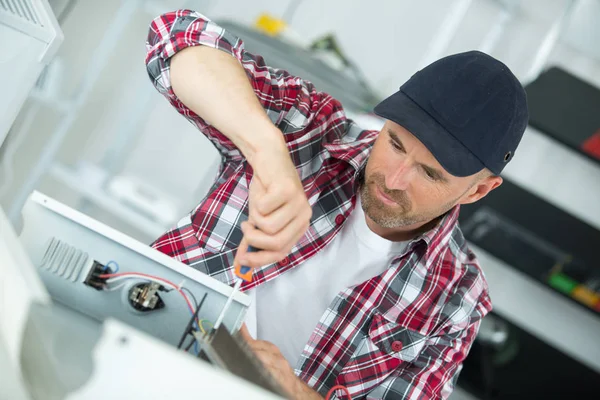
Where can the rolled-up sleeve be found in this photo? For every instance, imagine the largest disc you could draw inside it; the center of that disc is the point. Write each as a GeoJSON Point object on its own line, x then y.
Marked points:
{"type": "Point", "coordinates": [289, 101]}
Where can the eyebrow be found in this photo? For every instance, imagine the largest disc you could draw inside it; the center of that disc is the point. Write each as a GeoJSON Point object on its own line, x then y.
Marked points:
{"type": "Point", "coordinates": [433, 171]}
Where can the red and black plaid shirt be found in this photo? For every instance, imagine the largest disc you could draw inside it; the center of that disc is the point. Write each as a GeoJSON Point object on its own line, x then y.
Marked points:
{"type": "Point", "coordinates": [400, 335]}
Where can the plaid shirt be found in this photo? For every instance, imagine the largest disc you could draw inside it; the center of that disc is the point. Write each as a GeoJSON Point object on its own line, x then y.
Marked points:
{"type": "Point", "coordinates": [400, 335]}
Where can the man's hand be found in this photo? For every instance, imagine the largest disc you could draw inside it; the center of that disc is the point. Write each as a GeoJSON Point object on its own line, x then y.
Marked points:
{"type": "Point", "coordinates": [279, 368]}
{"type": "Point", "coordinates": [215, 86]}
{"type": "Point", "coordinates": [279, 210]}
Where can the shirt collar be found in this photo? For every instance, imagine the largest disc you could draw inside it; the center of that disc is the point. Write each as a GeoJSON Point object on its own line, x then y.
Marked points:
{"type": "Point", "coordinates": [441, 232]}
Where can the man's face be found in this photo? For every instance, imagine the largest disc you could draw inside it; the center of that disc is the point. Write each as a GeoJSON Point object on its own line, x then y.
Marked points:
{"type": "Point", "coordinates": [405, 186]}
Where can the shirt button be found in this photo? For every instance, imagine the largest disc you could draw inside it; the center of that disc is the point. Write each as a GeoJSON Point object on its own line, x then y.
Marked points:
{"type": "Point", "coordinates": [285, 261]}
{"type": "Point", "coordinates": [397, 346]}
{"type": "Point", "coordinates": [339, 219]}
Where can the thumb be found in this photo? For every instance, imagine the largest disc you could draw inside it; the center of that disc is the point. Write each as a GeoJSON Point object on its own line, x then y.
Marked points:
{"type": "Point", "coordinates": [245, 334]}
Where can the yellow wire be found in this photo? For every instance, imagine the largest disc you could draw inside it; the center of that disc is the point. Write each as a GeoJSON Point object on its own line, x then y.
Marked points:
{"type": "Point", "coordinates": [202, 327]}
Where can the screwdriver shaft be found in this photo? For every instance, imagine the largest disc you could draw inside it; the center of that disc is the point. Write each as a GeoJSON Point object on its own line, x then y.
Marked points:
{"type": "Point", "coordinates": [236, 289]}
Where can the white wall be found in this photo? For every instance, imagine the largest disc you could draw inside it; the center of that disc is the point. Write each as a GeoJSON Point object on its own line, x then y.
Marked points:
{"type": "Point", "coordinates": [387, 39]}
{"type": "Point", "coordinates": [169, 153]}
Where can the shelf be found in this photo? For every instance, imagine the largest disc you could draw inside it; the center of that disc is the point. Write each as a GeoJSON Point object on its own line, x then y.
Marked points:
{"type": "Point", "coordinates": [565, 108]}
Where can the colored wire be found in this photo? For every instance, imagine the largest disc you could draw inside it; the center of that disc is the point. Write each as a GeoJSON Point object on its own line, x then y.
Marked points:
{"type": "Point", "coordinates": [202, 329]}
{"type": "Point", "coordinates": [115, 277]}
{"type": "Point", "coordinates": [192, 342]}
{"type": "Point", "coordinates": [189, 328]}
{"type": "Point", "coordinates": [127, 275]}
{"type": "Point", "coordinates": [192, 323]}
{"type": "Point", "coordinates": [336, 387]}
{"type": "Point", "coordinates": [112, 289]}
{"type": "Point", "coordinates": [116, 266]}
{"type": "Point", "coordinates": [197, 324]}
{"type": "Point", "coordinates": [188, 291]}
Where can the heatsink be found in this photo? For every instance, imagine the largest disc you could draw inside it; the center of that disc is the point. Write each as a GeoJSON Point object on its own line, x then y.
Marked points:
{"type": "Point", "coordinates": [65, 260]}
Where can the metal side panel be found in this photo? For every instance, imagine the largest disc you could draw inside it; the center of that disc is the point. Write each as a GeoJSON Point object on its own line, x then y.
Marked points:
{"type": "Point", "coordinates": [45, 219]}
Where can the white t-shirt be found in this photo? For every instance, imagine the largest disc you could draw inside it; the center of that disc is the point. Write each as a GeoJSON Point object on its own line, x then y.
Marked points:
{"type": "Point", "coordinates": [286, 310]}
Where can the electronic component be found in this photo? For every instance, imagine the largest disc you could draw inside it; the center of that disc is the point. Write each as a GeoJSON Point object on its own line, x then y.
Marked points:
{"type": "Point", "coordinates": [94, 278]}
{"type": "Point", "coordinates": [65, 260]}
{"type": "Point", "coordinates": [144, 296]}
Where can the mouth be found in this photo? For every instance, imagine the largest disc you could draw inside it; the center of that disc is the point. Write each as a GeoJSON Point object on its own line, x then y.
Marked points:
{"type": "Point", "coordinates": [384, 197]}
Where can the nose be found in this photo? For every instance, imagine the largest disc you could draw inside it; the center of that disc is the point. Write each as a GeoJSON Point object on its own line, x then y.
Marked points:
{"type": "Point", "coordinates": [401, 176]}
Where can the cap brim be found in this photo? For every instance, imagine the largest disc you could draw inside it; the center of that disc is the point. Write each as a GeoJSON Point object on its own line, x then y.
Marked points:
{"type": "Point", "coordinates": [452, 155]}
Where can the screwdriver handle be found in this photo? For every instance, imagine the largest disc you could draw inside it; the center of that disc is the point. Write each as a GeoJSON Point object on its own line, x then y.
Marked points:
{"type": "Point", "coordinates": [244, 272]}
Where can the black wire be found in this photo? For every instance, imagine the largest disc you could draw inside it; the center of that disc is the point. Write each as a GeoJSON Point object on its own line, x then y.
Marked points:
{"type": "Point", "coordinates": [190, 325]}
{"type": "Point", "coordinates": [189, 346]}
{"type": "Point", "coordinates": [182, 339]}
{"type": "Point", "coordinates": [201, 302]}
{"type": "Point", "coordinates": [192, 295]}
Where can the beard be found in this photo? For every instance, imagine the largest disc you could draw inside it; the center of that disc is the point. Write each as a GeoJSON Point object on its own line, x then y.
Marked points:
{"type": "Point", "coordinates": [394, 216]}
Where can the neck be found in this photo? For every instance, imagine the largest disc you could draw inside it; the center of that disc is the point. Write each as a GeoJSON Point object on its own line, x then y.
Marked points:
{"type": "Point", "coordinates": [401, 234]}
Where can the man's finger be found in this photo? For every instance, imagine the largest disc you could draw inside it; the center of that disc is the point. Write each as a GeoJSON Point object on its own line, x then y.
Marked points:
{"type": "Point", "coordinates": [245, 333]}
{"type": "Point", "coordinates": [274, 198]}
{"type": "Point", "coordinates": [277, 220]}
{"type": "Point", "coordinates": [260, 258]}
{"type": "Point", "coordinates": [279, 242]}
{"type": "Point", "coordinates": [266, 358]}
{"type": "Point", "coordinates": [262, 345]}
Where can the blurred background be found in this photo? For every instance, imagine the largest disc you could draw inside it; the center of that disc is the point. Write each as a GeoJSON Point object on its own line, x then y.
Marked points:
{"type": "Point", "coordinates": [94, 134]}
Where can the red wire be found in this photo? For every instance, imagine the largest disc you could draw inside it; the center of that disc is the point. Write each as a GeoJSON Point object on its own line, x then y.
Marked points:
{"type": "Point", "coordinates": [333, 389]}
{"type": "Point", "coordinates": [138, 274]}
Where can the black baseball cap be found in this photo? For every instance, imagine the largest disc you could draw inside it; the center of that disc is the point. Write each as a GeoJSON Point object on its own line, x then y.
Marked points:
{"type": "Point", "coordinates": [468, 109]}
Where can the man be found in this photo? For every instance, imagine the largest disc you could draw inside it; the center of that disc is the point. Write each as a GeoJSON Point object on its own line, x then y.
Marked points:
{"type": "Point", "coordinates": [364, 279]}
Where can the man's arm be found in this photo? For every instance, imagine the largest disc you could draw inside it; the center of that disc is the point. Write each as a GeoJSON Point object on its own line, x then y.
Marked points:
{"type": "Point", "coordinates": [278, 205]}
{"type": "Point", "coordinates": [229, 74]}
{"type": "Point", "coordinates": [227, 101]}
{"type": "Point", "coordinates": [236, 101]}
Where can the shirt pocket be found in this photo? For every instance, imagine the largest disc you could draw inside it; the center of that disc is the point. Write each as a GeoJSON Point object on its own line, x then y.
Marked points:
{"type": "Point", "coordinates": [394, 339]}
{"type": "Point", "coordinates": [386, 347]}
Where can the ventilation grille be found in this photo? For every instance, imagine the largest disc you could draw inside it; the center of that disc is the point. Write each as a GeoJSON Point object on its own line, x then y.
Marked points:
{"type": "Point", "coordinates": [23, 9]}
{"type": "Point", "coordinates": [64, 260]}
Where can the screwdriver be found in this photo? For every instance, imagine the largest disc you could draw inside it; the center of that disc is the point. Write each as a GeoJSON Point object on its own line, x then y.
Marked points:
{"type": "Point", "coordinates": [243, 274]}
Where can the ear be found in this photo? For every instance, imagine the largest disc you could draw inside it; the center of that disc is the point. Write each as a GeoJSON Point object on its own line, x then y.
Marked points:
{"type": "Point", "coordinates": [481, 189]}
